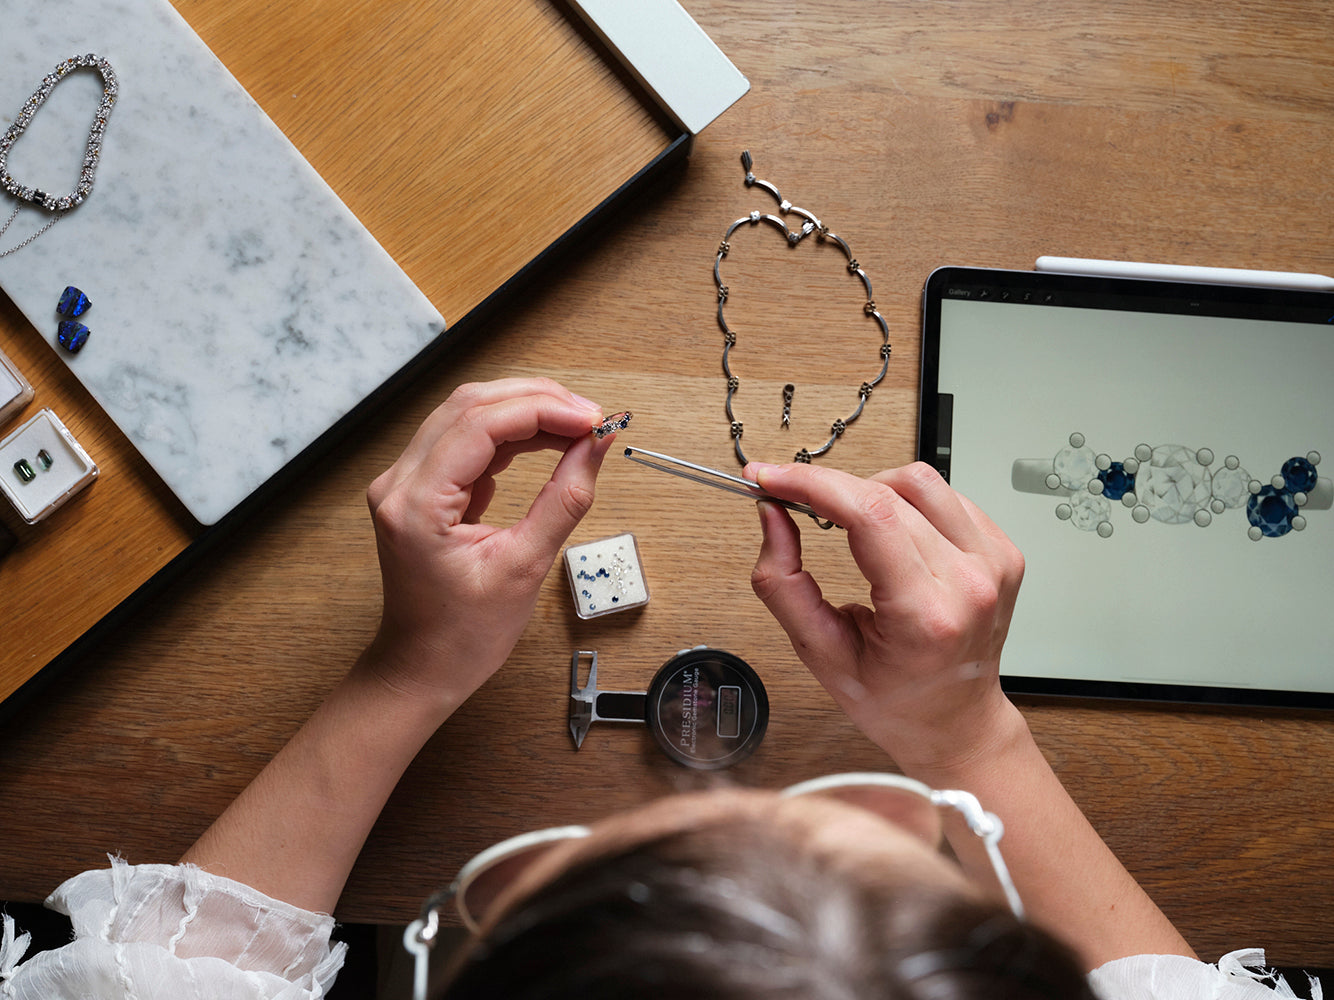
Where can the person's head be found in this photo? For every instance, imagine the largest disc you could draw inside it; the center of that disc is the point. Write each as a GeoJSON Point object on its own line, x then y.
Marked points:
{"type": "Point", "coordinates": [737, 895]}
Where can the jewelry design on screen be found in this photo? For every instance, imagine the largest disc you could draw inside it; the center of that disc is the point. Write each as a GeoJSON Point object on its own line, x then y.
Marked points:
{"type": "Point", "coordinates": [1173, 484]}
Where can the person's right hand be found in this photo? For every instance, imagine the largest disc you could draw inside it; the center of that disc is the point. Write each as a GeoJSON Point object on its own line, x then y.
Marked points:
{"type": "Point", "coordinates": [917, 670]}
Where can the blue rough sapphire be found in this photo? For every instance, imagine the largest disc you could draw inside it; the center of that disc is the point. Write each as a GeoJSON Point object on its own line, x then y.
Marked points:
{"type": "Point", "coordinates": [72, 336]}
{"type": "Point", "coordinates": [1116, 481]}
{"type": "Point", "coordinates": [72, 302]}
{"type": "Point", "coordinates": [1299, 475]}
{"type": "Point", "coordinates": [1271, 511]}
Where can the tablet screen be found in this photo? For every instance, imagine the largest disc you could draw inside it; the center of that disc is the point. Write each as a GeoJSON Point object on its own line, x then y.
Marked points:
{"type": "Point", "coordinates": [1162, 454]}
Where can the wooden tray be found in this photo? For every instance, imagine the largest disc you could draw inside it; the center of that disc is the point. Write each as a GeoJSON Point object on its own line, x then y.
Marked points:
{"type": "Point", "coordinates": [469, 167]}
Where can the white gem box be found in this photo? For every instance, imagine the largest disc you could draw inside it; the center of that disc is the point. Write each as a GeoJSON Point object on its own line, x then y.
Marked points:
{"type": "Point", "coordinates": [42, 466]}
{"type": "Point", "coordinates": [606, 576]}
{"type": "Point", "coordinates": [15, 391]}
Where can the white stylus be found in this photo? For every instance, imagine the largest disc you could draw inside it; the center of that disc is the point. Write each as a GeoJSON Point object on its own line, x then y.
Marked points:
{"type": "Point", "coordinates": [1183, 272]}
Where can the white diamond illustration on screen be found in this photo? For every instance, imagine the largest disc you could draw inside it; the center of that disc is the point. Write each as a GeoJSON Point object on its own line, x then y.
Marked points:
{"type": "Point", "coordinates": [1172, 484]}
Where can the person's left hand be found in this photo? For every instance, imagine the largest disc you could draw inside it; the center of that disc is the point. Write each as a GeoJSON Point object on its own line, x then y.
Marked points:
{"type": "Point", "coordinates": [458, 592]}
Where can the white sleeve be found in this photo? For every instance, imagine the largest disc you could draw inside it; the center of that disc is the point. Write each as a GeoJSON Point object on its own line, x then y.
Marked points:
{"type": "Point", "coordinates": [1239, 975]}
{"type": "Point", "coordinates": [173, 932]}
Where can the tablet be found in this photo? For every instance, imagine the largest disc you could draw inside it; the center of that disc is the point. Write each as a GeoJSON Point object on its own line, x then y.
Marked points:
{"type": "Point", "coordinates": [1162, 454]}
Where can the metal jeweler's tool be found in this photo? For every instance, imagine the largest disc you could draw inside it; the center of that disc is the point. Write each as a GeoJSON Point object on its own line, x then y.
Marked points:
{"type": "Point", "coordinates": [719, 480]}
{"type": "Point", "coordinates": [705, 708]}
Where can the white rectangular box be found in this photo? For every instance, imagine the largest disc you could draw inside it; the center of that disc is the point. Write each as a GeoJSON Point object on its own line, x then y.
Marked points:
{"type": "Point", "coordinates": [606, 576]}
{"type": "Point", "coordinates": [42, 466]}
{"type": "Point", "coordinates": [15, 392]}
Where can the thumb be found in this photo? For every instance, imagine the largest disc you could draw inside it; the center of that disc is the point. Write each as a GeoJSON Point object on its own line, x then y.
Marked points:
{"type": "Point", "coordinates": [565, 498]}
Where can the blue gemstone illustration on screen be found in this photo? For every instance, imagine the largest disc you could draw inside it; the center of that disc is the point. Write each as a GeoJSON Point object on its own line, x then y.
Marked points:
{"type": "Point", "coordinates": [1299, 475]}
{"type": "Point", "coordinates": [1116, 481]}
{"type": "Point", "coordinates": [1271, 511]}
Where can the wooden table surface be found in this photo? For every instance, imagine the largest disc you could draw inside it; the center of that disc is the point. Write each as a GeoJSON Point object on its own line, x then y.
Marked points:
{"type": "Point", "coordinates": [926, 133]}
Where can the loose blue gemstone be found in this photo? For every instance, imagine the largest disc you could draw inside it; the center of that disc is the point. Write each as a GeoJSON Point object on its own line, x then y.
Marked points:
{"type": "Point", "coordinates": [1116, 481]}
{"type": "Point", "coordinates": [1271, 511]}
{"type": "Point", "coordinates": [72, 302]}
{"type": "Point", "coordinates": [72, 336]}
{"type": "Point", "coordinates": [1299, 475]}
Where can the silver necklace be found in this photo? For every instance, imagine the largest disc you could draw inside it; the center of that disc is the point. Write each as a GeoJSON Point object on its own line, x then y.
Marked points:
{"type": "Point", "coordinates": [810, 224]}
{"type": "Point", "coordinates": [57, 204]}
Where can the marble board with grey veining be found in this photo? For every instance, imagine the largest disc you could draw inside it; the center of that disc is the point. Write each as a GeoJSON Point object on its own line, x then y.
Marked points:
{"type": "Point", "coordinates": [239, 309]}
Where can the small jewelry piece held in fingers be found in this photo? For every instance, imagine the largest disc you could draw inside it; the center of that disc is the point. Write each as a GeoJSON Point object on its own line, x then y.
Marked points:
{"type": "Point", "coordinates": [610, 425]}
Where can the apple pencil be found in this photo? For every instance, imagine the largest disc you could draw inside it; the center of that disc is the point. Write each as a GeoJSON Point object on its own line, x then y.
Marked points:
{"type": "Point", "coordinates": [1183, 272]}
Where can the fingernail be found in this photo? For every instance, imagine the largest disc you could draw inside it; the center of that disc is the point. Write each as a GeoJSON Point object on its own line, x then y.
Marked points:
{"type": "Point", "coordinates": [769, 512]}
{"type": "Point", "coordinates": [587, 402]}
{"type": "Point", "coordinates": [755, 470]}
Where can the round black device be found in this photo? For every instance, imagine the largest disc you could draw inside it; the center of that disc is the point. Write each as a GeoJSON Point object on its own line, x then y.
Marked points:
{"type": "Point", "coordinates": [707, 709]}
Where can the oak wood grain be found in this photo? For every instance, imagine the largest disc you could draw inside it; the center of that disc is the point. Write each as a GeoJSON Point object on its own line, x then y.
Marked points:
{"type": "Point", "coordinates": [925, 133]}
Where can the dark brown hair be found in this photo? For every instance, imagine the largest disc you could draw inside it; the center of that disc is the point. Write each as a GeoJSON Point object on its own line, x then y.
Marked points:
{"type": "Point", "coordinates": [738, 911]}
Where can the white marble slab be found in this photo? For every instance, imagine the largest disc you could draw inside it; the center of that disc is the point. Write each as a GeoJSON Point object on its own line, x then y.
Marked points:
{"type": "Point", "coordinates": [238, 309]}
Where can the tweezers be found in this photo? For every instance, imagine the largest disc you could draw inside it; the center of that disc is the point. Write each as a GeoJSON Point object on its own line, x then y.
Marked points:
{"type": "Point", "coordinates": [719, 480]}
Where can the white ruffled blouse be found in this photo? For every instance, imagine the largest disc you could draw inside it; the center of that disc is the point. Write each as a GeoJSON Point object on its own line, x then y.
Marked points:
{"type": "Point", "coordinates": [173, 932]}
